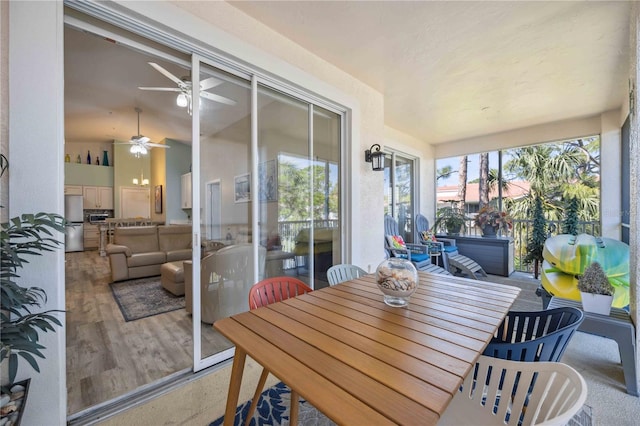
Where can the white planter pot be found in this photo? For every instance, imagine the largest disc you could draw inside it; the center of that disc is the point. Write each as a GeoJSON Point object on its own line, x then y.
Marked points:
{"type": "Point", "coordinates": [596, 303]}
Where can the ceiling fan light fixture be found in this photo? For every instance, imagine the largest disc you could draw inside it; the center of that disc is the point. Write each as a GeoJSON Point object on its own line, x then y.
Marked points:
{"type": "Point", "coordinates": [182, 100]}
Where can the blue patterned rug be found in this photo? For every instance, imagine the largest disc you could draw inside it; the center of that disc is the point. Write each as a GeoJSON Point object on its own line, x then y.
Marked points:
{"type": "Point", "coordinates": [273, 410]}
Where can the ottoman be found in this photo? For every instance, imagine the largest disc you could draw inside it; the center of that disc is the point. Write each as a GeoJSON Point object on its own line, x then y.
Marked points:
{"type": "Point", "coordinates": [172, 277]}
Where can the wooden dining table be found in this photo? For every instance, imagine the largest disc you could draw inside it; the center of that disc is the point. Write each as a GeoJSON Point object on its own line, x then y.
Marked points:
{"type": "Point", "coordinates": [361, 362]}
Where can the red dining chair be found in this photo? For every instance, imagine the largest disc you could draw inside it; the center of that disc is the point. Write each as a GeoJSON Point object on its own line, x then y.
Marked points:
{"type": "Point", "coordinates": [265, 292]}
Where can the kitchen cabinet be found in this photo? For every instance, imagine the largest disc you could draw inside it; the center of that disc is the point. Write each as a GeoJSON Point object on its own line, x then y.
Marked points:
{"type": "Point", "coordinates": [73, 190]}
{"type": "Point", "coordinates": [91, 236]}
{"type": "Point", "coordinates": [98, 197]}
{"type": "Point", "coordinates": [186, 191]}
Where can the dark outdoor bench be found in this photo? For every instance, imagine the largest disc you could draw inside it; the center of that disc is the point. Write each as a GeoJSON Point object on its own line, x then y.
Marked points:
{"type": "Point", "coordinates": [616, 326]}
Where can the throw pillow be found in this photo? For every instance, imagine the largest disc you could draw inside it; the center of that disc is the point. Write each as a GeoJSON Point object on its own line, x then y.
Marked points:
{"type": "Point", "coordinates": [428, 236]}
{"type": "Point", "coordinates": [396, 241]}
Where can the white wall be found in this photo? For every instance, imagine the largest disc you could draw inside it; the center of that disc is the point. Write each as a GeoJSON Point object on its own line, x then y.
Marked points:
{"type": "Point", "coordinates": [37, 178]}
{"type": "Point", "coordinates": [610, 178]}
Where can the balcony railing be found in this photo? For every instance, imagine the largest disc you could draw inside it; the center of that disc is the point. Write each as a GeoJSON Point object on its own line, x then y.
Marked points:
{"type": "Point", "coordinates": [521, 233]}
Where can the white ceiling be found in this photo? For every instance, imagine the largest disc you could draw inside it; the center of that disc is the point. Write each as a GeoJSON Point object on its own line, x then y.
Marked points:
{"type": "Point", "coordinates": [452, 70]}
{"type": "Point", "coordinates": [448, 70]}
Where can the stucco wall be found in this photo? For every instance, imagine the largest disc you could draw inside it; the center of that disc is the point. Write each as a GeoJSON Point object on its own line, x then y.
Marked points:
{"type": "Point", "coordinates": [36, 181]}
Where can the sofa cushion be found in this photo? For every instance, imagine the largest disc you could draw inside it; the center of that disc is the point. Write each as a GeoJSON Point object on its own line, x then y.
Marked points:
{"type": "Point", "coordinates": [323, 241]}
{"type": "Point", "coordinates": [174, 237]}
{"type": "Point", "coordinates": [144, 259]}
{"type": "Point", "coordinates": [182, 254]}
{"type": "Point", "coordinates": [139, 239]}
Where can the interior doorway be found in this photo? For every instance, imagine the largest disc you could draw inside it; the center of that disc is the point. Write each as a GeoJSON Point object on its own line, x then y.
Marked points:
{"type": "Point", "coordinates": [134, 202]}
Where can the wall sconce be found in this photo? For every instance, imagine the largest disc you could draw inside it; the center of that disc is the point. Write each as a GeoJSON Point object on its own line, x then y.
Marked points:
{"type": "Point", "coordinates": [376, 158]}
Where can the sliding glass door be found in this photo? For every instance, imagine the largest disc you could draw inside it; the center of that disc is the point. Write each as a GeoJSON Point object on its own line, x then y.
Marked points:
{"type": "Point", "coordinates": [399, 191]}
{"type": "Point", "coordinates": [266, 191]}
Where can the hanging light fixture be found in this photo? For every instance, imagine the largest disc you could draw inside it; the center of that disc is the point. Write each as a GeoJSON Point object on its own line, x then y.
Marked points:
{"type": "Point", "coordinates": [142, 181]}
{"type": "Point", "coordinates": [376, 158]}
{"type": "Point", "coordinates": [182, 100]}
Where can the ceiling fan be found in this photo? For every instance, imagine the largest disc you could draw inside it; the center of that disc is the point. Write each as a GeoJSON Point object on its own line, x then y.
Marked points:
{"type": "Point", "coordinates": [184, 89]}
{"type": "Point", "coordinates": [141, 144]}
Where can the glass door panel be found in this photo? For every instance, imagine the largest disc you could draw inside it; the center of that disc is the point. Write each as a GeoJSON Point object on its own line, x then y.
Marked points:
{"type": "Point", "coordinates": [326, 192]}
{"type": "Point", "coordinates": [399, 199]}
{"type": "Point", "coordinates": [222, 202]}
{"type": "Point", "coordinates": [284, 171]}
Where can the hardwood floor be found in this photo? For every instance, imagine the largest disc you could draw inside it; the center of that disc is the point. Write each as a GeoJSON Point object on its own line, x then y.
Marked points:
{"type": "Point", "coordinates": [108, 357]}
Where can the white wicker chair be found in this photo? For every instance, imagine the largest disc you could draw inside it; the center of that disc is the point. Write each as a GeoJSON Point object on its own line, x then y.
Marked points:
{"type": "Point", "coordinates": [502, 392]}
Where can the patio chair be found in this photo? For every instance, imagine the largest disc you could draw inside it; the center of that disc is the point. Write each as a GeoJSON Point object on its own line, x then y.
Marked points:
{"type": "Point", "coordinates": [341, 273]}
{"type": "Point", "coordinates": [535, 336]}
{"type": "Point", "coordinates": [452, 261]}
{"type": "Point", "coordinates": [548, 393]}
{"type": "Point", "coordinates": [418, 254]}
{"type": "Point", "coordinates": [265, 292]}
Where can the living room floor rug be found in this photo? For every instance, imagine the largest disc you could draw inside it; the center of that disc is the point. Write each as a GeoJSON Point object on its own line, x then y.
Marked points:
{"type": "Point", "coordinates": [144, 297]}
{"type": "Point", "coordinates": [273, 410]}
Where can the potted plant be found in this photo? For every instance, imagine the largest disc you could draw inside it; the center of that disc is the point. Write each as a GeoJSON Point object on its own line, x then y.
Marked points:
{"type": "Point", "coordinates": [23, 236]}
{"type": "Point", "coordinates": [490, 221]}
{"type": "Point", "coordinates": [452, 219]}
{"type": "Point", "coordinates": [595, 290]}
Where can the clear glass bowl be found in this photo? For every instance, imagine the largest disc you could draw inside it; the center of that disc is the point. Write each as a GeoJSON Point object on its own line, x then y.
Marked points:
{"type": "Point", "coordinates": [397, 279]}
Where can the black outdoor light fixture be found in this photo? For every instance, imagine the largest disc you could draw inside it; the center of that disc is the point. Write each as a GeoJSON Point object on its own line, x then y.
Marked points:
{"type": "Point", "coordinates": [374, 156]}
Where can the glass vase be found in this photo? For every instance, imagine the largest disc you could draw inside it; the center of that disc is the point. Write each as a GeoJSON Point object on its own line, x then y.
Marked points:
{"type": "Point", "coordinates": [397, 279]}
{"type": "Point", "coordinates": [105, 158]}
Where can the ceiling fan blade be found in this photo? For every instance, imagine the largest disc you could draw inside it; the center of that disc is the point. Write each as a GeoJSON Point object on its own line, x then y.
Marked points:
{"type": "Point", "coordinates": [166, 73]}
{"type": "Point", "coordinates": [217, 98]}
{"type": "Point", "coordinates": [209, 83]}
{"type": "Point", "coordinates": [140, 140]}
{"type": "Point", "coordinates": [162, 89]}
{"type": "Point", "coordinates": [156, 145]}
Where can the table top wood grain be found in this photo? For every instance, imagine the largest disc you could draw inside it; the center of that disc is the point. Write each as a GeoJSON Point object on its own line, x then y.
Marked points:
{"type": "Point", "coordinates": [360, 361]}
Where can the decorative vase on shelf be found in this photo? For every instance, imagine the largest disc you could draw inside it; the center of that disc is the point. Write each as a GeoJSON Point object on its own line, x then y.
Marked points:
{"type": "Point", "coordinates": [397, 279]}
{"type": "Point", "coordinates": [489, 231]}
{"type": "Point", "coordinates": [88, 157]}
{"type": "Point", "coordinates": [67, 158]}
{"type": "Point", "coordinates": [78, 160]}
{"type": "Point", "coordinates": [105, 158]}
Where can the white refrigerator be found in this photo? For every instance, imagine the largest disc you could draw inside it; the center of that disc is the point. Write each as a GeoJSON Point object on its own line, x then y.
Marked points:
{"type": "Point", "coordinates": [74, 214]}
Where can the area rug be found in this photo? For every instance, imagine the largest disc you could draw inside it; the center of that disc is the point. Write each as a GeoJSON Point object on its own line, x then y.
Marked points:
{"type": "Point", "coordinates": [144, 297]}
{"type": "Point", "coordinates": [273, 410]}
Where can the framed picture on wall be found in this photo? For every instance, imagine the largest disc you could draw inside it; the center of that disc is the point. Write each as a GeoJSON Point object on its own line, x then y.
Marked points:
{"type": "Point", "coordinates": [158, 198]}
{"type": "Point", "coordinates": [268, 181]}
{"type": "Point", "coordinates": [242, 188]}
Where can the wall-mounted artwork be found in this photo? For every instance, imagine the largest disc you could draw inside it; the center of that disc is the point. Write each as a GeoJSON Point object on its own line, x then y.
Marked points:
{"type": "Point", "coordinates": [158, 198]}
{"type": "Point", "coordinates": [242, 187]}
{"type": "Point", "coordinates": [268, 181]}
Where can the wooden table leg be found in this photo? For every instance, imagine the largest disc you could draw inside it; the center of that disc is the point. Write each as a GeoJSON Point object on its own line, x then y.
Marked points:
{"type": "Point", "coordinates": [234, 386]}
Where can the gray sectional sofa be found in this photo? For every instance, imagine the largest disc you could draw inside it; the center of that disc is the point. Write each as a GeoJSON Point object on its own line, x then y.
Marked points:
{"type": "Point", "coordinates": [139, 251]}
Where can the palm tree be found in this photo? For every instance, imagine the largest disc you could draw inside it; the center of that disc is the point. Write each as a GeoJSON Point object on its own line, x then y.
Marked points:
{"type": "Point", "coordinates": [462, 182]}
{"type": "Point", "coordinates": [483, 187]}
{"type": "Point", "coordinates": [557, 172]}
